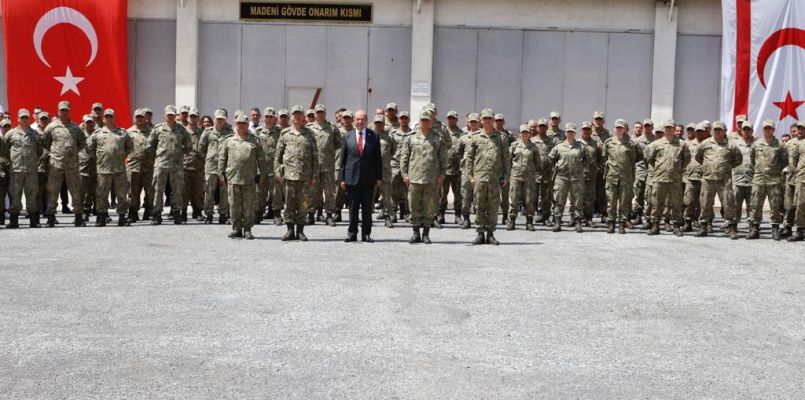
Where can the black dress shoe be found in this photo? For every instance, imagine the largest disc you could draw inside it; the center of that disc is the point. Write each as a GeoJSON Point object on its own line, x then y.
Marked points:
{"type": "Point", "coordinates": [367, 239]}
{"type": "Point", "coordinates": [351, 238]}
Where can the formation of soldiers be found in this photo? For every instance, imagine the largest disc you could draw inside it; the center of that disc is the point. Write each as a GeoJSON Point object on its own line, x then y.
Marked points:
{"type": "Point", "coordinates": [282, 165]}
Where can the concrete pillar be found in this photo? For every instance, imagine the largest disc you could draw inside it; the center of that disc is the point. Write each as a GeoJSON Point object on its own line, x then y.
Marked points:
{"type": "Point", "coordinates": [662, 78]}
{"type": "Point", "coordinates": [186, 52]}
{"type": "Point", "coordinates": [421, 55]}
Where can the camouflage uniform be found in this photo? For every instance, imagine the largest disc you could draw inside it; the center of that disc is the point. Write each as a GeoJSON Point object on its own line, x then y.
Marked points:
{"type": "Point", "coordinates": [620, 156]}
{"type": "Point", "coordinates": [89, 175]}
{"type": "Point", "coordinates": [140, 171]}
{"type": "Point", "coordinates": [170, 145]}
{"type": "Point", "coordinates": [718, 159]}
{"type": "Point", "coordinates": [297, 162]}
{"type": "Point", "coordinates": [399, 190]}
{"type": "Point", "coordinates": [544, 178]}
{"type": "Point", "coordinates": [642, 193]}
{"type": "Point", "coordinates": [791, 188]}
{"type": "Point", "coordinates": [239, 161]}
{"type": "Point", "coordinates": [209, 146]}
{"type": "Point", "coordinates": [767, 161]}
{"type": "Point", "coordinates": [328, 140]}
{"type": "Point", "coordinates": [742, 179]}
{"type": "Point", "coordinates": [569, 160]}
{"type": "Point", "coordinates": [63, 143]}
{"type": "Point", "coordinates": [693, 185]}
{"type": "Point", "coordinates": [487, 162]}
{"type": "Point", "coordinates": [467, 191]}
{"type": "Point", "coordinates": [388, 148]}
{"type": "Point", "coordinates": [267, 190]}
{"type": "Point", "coordinates": [600, 205]}
{"type": "Point", "coordinates": [525, 165]}
{"type": "Point", "coordinates": [452, 179]}
{"type": "Point", "coordinates": [24, 149]}
{"type": "Point", "coordinates": [109, 148]}
{"type": "Point", "coordinates": [590, 176]}
{"type": "Point", "coordinates": [668, 158]}
{"type": "Point", "coordinates": [193, 165]}
{"type": "Point", "coordinates": [796, 162]}
{"type": "Point", "coordinates": [423, 159]}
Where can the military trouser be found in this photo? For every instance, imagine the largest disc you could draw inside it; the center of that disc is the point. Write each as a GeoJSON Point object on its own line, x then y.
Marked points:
{"type": "Point", "coordinates": [422, 200]}
{"type": "Point", "coordinates": [601, 198]}
{"type": "Point", "coordinates": [487, 202]}
{"type": "Point", "coordinates": [544, 195]}
{"type": "Point", "coordinates": [800, 204]}
{"type": "Point", "coordinates": [522, 190]}
{"type": "Point", "coordinates": [399, 191]}
{"type": "Point", "coordinates": [28, 183]}
{"type": "Point", "coordinates": [649, 199]}
{"type": "Point", "coordinates": [386, 190]}
{"type": "Point", "coordinates": [212, 182]}
{"type": "Point", "coordinates": [467, 195]}
{"type": "Point", "coordinates": [277, 192]}
{"type": "Point", "coordinates": [639, 196]}
{"type": "Point", "coordinates": [263, 192]}
{"type": "Point", "coordinates": [666, 194]}
{"type": "Point", "coordinates": [743, 195]}
{"type": "Point", "coordinates": [619, 199]}
{"type": "Point", "coordinates": [241, 205]}
{"type": "Point", "coordinates": [297, 202]}
{"type": "Point", "coordinates": [322, 194]}
{"type": "Point", "coordinates": [504, 198]}
{"type": "Point", "coordinates": [193, 189]}
{"type": "Point", "coordinates": [161, 176]}
{"type": "Point", "coordinates": [140, 182]}
{"type": "Point", "coordinates": [564, 188]}
{"type": "Point", "coordinates": [89, 185]}
{"type": "Point", "coordinates": [759, 195]}
{"type": "Point", "coordinates": [57, 176]}
{"type": "Point", "coordinates": [589, 198]}
{"type": "Point", "coordinates": [693, 208]}
{"type": "Point", "coordinates": [790, 203]}
{"type": "Point", "coordinates": [725, 194]}
{"type": "Point", "coordinates": [451, 182]}
{"type": "Point", "coordinates": [105, 183]}
{"type": "Point", "coordinates": [42, 195]}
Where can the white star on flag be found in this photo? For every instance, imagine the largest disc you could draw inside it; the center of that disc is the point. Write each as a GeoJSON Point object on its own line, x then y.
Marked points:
{"type": "Point", "coordinates": [69, 82]}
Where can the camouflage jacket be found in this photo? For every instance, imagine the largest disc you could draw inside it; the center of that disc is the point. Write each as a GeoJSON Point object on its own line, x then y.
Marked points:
{"type": "Point", "coordinates": [718, 159]}
{"type": "Point", "coordinates": [668, 158]}
{"type": "Point", "coordinates": [141, 158]}
{"type": "Point", "coordinates": [525, 161]}
{"type": "Point", "coordinates": [109, 148]}
{"type": "Point", "coordinates": [241, 159]}
{"type": "Point", "coordinates": [209, 146]}
{"type": "Point", "coordinates": [63, 142]}
{"type": "Point", "coordinates": [24, 149]}
{"type": "Point", "coordinates": [423, 158]}
{"type": "Point", "coordinates": [487, 159]}
{"type": "Point", "coordinates": [170, 145]}
{"type": "Point", "coordinates": [768, 161]}
{"type": "Point", "coordinates": [297, 157]}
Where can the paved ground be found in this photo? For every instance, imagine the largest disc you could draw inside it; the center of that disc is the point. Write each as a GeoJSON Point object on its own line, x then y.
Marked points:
{"type": "Point", "coordinates": [183, 312]}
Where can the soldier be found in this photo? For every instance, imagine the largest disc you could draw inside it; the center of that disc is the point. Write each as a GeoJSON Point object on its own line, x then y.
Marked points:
{"type": "Point", "coordinates": [718, 156]}
{"type": "Point", "coordinates": [96, 113]}
{"type": "Point", "coordinates": [388, 148]}
{"type": "Point", "coordinates": [593, 147]}
{"type": "Point", "coordinates": [310, 116]}
{"type": "Point", "coordinates": [620, 155]}
{"type": "Point", "coordinates": [88, 169]}
{"type": "Point", "coordinates": [328, 141]}
{"type": "Point", "coordinates": [24, 148]}
{"type": "Point", "coordinates": [768, 158]}
{"type": "Point", "coordinates": [452, 179]}
{"type": "Point", "coordinates": [690, 130]}
{"type": "Point", "coordinates": [171, 142]}
{"type": "Point", "coordinates": [399, 189]}
{"type": "Point", "coordinates": [467, 191]}
{"type": "Point", "coordinates": [569, 158]}
{"type": "Point", "coordinates": [209, 146]}
{"type": "Point", "coordinates": [693, 181]}
{"type": "Point", "coordinates": [641, 172]}
{"type": "Point", "coordinates": [525, 164]}
{"type": "Point", "coordinates": [63, 140]}
{"type": "Point", "coordinates": [668, 157]}
{"type": "Point", "coordinates": [284, 118]}
{"type": "Point", "coordinates": [554, 130]}
{"type": "Point", "coordinates": [391, 121]}
{"type": "Point", "coordinates": [346, 118]}
{"type": "Point", "coordinates": [423, 163]}
{"type": "Point", "coordinates": [742, 174]}
{"type": "Point", "coordinates": [267, 191]}
{"type": "Point", "coordinates": [601, 134]}
{"type": "Point", "coordinates": [637, 130]}
{"type": "Point", "coordinates": [240, 159]}
{"type": "Point", "coordinates": [193, 164]}
{"type": "Point", "coordinates": [544, 177]}
{"type": "Point", "coordinates": [5, 126]}
{"type": "Point", "coordinates": [109, 147]}
{"type": "Point", "coordinates": [796, 167]}
{"type": "Point", "coordinates": [149, 117]}
{"type": "Point", "coordinates": [140, 167]}
{"type": "Point", "coordinates": [296, 167]}
{"type": "Point", "coordinates": [790, 189]}
{"type": "Point", "coordinates": [508, 137]}
{"type": "Point", "coordinates": [738, 135]}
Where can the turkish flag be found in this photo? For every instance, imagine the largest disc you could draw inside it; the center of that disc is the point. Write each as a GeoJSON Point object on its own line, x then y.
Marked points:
{"type": "Point", "coordinates": [763, 61]}
{"type": "Point", "coordinates": [73, 50]}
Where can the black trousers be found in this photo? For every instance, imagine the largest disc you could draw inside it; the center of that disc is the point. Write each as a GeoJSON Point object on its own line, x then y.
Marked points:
{"type": "Point", "coordinates": [360, 196]}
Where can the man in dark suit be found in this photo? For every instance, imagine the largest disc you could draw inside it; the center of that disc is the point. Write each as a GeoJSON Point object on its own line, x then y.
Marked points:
{"type": "Point", "coordinates": [361, 172]}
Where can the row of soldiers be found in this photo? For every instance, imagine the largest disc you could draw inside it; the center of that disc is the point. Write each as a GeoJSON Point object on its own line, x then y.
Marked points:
{"type": "Point", "coordinates": [536, 170]}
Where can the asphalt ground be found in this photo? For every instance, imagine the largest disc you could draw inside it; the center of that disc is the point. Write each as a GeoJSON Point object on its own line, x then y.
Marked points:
{"type": "Point", "coordinates": [183, 312]}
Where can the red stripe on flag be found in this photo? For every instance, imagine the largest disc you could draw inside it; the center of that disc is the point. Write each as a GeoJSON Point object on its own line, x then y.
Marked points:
{"type": "Point", "coordinates": [743, 52]}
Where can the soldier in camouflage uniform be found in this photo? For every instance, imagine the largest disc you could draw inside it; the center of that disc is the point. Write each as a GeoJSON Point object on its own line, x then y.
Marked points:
{"type": "Point", "coordinates": [140, 167]}
{"type": "Point", "coordinates": [109, 147]}
{"type": "Point", "coordinates": [590, 172]}
{"type": "Point", "coordinates": [296, 167]}
{"type": "Point", "coordinates": [23, 149]}
{"type": "Point", "coordinates": [467, 191]}
{"type": "Point", "coordinates": [544, 178]}
{"type": "Point", "coordinates": [399, 189]}
{"type": "Point", "coordinates": [240, 159]}
{"type": "Point", "coordinates": [487, 166]}
{"type": "Point", "coordinates": [790, 188]}
{"type": "Point", "coordinates": [601, 134]}
{"type": "Point", "coordinates": [63, 140]}
{"type": "Point", "coordinates": [693, 181]}
{"type": "Point", "coordinates": [667, 157]}
{"type": "Point", "coordinates": [742, 175]}
{"type": "Point", "coordinates": [554, 129]}
{"type": "Point", "coordinates": [328, 141]}
{"type": "Point", "coordinates": [641, 173]}
{"type": "Point", "coordinates": [423, 163]}
{"type": "Point", "coordinates": [569, 158]}
{"type": "Point", "coordinates": [620, 155]}
{"type": "Point", "coordinates": [209, 146]}
{"type": "Point", "coordinates": [170, 142]}
{"type": "Point", "coordinates": [796, 167]}
{"type": "Point", "coordinates": [193, 165]}
{"type": "Point", "coordinates": [718, 156]}
{"type": "Point", "coordinates": [88, 169]}
{"type": "Point", "coordinates": [768, 159]}
{"type": "Point", "coordinates": [391, 121]}
{"type": "Point", "coordinates": [508, 137]}
{"type": "Point", "coordinates": [5, 127]}
{"type": "Point", "coordinates": [346, 120]}
{"type": "Point", "coordinates": [525, 165]}
{"type": "Point", "coordinates": [267, 189]}
{"type": "Point", "coordinates": [388, 148]}
{"type": "Point", "coordinates": [452, 179]}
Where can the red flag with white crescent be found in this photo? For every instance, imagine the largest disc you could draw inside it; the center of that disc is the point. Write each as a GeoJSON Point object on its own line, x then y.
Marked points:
{"type": "Point", "coordinates": [763, 61]}
{"type": "Point", "coordinates": [73, 50]}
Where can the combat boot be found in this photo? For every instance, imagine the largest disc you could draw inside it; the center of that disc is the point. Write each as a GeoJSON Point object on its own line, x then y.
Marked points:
{"type": "Point", "coordinates": [529, 224]}
{"type": "Point", "coordinates": [490, 239]}
{"type": "Point", "coordinates": [300, 233]}
{"type": "Point", "coordinates": [688, 227]}
{"type": "Point", "coordinates": [247, 234]}
{"type": "Point", "coordinates": [540, 218]}
{"type": "Point", "coordinates": [269, 215]}
{"type": "Point", "coordinates": [629, 224]}
{"type": "Point", "coordinates": [258, 218]}
{"type": "Point", "coordinates": [319, 216]}
{"type": "Point", "coordinates": [222, 218]}
{"type": "Point", "coordinates": [277, 218]}
{"type": "Point", "coordinates": [457, 219]}
{"type": "Point", "coordinates": [732, 231]}
{"type": "Point", "coordinates": [678, 230]}
{"type": "Point", "coordinates": [394, 217]}
{"type": "Point", "coordinates": [34, 221]}
{"type": "Point", "coordinates": [179, 218]}
{"type": "Point", "coordinates": [510, 225]}
{"type": "Point", "coordinates": [441, 218]}
{"type": "Point", "coordinates": [655, 229]}
{"type": "Point", "coordinates": [775, 232]}
{"type": "Point", "coordinates": [415, 238]}
{"type": "Point", "coordinates": [100, 220]}
{"type": "Point", "coordinates": [480, 239]}
{"type": "Point", "coordinates": [183, 215]}
{"type": "Point", "coordinates": [611, 227]}
{"type": "Point", "coordinates": [146, 214]}
{"type": "Point", "coordinates": [388, 223]}
{"type": "Point", "coordinates": [786, 232]}
{"type": "Point", "coordinates": [51, 221]}
{"type": "Point", "coordinates": [156, 220]}
{"type": "Point", "coordinates": [289, 234]}
{"type": "Point", "coordinates": [236, 233]}
{"type": "Point", "coordinates": [798, 236]}
{"type": "Point", "coordinates": [504, 220]}
{"type": "Point", "coordinates": [578, 227]}
{"type": "Point", "coordinates": [133, 217]}
{"type": "Point", "coordinates": [639, 220]}
{"type": "Point", "coordinates": [557, 224]}
{"type": "Point", "coordinates": [311, 218]}
{"type": "Point", "coordinates": [426, 235]}
{"type": "Point", "coordinates": [122, 221]}
{"type": "Point", "coordinates": [329, 221]}
{"type": "Point", "coordinates": [702, 230]}
{"type": "Point", "coordinates": [466, 224]}
{"type": "Point", "coordinates": [208, 219]}
{"type": "Point", "coordinates": [13, 221]}
{"type": "Point", "coordinates": [753, 232]}
{"type": "Point", "coordinates": [436, 224]}
{"type": "Point", "coordinates": [622, 228]}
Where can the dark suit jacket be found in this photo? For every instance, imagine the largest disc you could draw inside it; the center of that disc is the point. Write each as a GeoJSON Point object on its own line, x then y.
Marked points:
{"type": "Point", "coordinates": [362, 169]}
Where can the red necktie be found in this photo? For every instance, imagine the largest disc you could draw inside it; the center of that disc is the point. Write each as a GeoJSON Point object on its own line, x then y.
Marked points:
{"type": "Point", "coordinates": [360, 143]}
